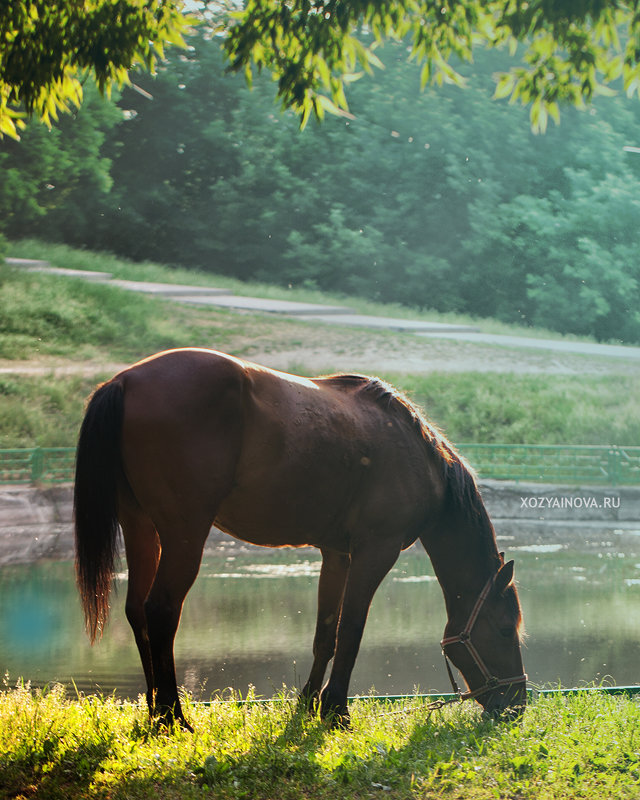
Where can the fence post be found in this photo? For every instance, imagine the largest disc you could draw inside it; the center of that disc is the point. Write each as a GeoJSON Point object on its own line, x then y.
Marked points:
{"type": "Point", "coordinates": [37, 464]}
{"type": "Point", "coordinates": [614, 465]}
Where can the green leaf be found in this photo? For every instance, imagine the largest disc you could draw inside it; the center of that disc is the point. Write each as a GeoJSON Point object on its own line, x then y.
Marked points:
{"type": "Point", "coordinates": [504, 86]}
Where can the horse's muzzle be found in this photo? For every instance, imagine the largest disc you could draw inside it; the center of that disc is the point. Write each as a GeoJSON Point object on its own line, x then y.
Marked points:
{"type": "Point", "coordinates": [505, 703]}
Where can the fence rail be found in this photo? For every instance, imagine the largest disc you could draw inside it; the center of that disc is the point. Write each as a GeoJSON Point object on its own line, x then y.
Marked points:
{"type": "Point", "coordinates": [570, 464]}
{"type": "Point", "coordinates": [37, 465]}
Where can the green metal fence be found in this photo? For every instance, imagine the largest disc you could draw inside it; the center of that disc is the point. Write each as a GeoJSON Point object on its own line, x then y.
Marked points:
{"type": "Point", "coordinates": [570, 464]}
{"type": "Point", "coordinates": [37, 465]}
{"type": "Point", "coordinates": [586, 465]}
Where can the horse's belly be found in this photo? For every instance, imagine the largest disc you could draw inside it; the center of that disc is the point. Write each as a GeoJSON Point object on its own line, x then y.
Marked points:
{"type": "Point", "coordinates": [280, 519]}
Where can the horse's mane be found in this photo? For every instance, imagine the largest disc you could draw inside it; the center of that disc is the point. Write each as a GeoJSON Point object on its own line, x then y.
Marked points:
{"type": "Point", "coordinates": [462, 490]}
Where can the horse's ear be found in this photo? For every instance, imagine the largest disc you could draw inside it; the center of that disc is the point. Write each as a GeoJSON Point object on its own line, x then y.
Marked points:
{"type": "Point", "coordinates": [504, 578]}
{"type": "Point", "coordinates": [501, 557]}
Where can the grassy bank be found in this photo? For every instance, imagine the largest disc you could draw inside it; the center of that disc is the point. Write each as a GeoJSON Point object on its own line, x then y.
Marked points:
{"type": "Point", "coordinates": [60, 255]}
{"type": "Point", "coordinates": [44, 316]}
{"type": "Point", "coordinates": [90, 329]}
{"type": "Point", "coordinates": [585, 746]}
{"type": "Point", "coordinates": [46, 410]}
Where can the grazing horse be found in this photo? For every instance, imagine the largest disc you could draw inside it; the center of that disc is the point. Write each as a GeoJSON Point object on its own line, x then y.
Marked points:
{"type": "Point", "coordinates": [190, 438]}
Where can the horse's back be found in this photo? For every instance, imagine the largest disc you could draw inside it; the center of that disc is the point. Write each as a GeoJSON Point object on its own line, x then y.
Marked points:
{"type": "Point", "coordinates": [270, 457]}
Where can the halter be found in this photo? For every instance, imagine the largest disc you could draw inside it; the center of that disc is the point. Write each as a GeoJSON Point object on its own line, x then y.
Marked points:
{"type": "Point", "coordinates": [491, 682]}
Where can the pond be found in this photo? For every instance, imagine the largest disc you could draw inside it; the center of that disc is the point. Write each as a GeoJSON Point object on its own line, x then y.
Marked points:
{"type": "Point", "coordinates": [250, 617]}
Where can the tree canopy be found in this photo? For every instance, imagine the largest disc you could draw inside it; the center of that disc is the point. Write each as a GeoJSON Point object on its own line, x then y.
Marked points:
{"type": "Point", "coordinates": [568, 50]}
{"type": "Point", "coordinates": [565, 50]}
{"type": "Point", "coordinates": [48, 49]}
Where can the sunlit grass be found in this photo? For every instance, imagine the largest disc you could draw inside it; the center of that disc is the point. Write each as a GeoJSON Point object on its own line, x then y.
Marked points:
{"type": "Point", "coordinates": [586, 745]}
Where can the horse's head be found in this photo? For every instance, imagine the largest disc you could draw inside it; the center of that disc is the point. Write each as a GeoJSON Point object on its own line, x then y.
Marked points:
{"type": "Point", "coordinates": [484, 644]}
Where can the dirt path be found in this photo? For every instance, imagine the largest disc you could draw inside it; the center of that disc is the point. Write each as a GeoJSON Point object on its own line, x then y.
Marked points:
{"type": "Point", "coordinates": [320, 349]}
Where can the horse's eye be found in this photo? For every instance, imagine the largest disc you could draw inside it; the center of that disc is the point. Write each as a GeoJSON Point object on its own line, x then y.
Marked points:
{"type": "Point", "coordinates": [508, 631]}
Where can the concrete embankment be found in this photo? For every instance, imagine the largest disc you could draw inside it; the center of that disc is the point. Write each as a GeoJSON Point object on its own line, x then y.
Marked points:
{"type": "Point", "coordinates": [35, 523]}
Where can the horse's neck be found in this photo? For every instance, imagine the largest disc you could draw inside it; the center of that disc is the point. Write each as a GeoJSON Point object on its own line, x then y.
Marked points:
{"type": "Point", "coordinates": [464, 556]}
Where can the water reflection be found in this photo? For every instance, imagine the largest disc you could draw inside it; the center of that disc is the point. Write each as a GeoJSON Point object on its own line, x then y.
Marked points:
{"type": "Point", "coordinates": [250, 617]}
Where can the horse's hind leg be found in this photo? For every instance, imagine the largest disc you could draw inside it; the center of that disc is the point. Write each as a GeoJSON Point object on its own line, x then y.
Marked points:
{"type": "Point", "coordinates": [333, 576]}
{"type": "Point", "coordinates": [142, 548]}
{"type": "Point", "coordinates": [178, 567]}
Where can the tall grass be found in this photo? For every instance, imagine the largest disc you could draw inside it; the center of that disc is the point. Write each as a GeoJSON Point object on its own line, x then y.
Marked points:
{"type": "Point", "coordinates": [584, 746]}
{"type": "Point", "coordinates": [41, 411]}
{"type": "Point", "coordinates": [531, 409]}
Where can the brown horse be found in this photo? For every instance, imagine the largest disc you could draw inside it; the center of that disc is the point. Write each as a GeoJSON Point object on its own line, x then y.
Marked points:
{"type": "Point", "coordinates": [190, 438]}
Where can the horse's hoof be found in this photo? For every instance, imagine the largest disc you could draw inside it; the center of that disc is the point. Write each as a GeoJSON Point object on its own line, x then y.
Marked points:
{"type": "Point", "coordinates": [337, 720]}
{"type": "Point", "coordinates": [185, 725]}
{"type": "Point", "coordinates": [169, 722]}
{"type": "Point", "coordinates": [334, 710]}
{"type": "Point", "coordinates": [168, 719]}
{"type": "Point", "coordinates": [336, 717]}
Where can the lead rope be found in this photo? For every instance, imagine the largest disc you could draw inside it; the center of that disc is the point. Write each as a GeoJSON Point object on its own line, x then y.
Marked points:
{"type": "Point", "coordinates": [435, 705]}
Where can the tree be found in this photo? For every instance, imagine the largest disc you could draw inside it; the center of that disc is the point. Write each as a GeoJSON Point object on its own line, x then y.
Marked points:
{"type": "Point", "coordinates": [211, 187]}
{"type": "Point", "coordinates": [48, 48]}
{"type": "Point", "coordinates": [437, 198]}
{"type": "Point", "coordinates": [569, 49]}
{"type": "Point", "coordinates": [52, 181]}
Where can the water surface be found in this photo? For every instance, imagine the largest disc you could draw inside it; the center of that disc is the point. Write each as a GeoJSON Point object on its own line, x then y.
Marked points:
{"type": "Point", "coordinates": [250, 618]}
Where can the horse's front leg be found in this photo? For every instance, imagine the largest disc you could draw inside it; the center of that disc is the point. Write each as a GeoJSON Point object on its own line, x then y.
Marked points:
{"type": "Point", "coordinates": [369, 565]}
{"type": "Point", "coordinates": [333, 577]}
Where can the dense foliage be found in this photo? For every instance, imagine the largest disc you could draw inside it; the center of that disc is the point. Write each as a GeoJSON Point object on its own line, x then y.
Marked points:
{"type": "Point", "coordinates": [569, 48]}
{"type": "Point", "coordinates": [49, 49]}
{"type": "Point", "coordinates": [439, 199]}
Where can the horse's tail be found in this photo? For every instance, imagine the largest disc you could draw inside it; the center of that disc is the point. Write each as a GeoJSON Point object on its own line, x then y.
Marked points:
{"type": "Point", "coordinates": [95, 499]}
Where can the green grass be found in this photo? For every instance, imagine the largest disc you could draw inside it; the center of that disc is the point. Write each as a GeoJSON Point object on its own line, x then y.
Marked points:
{"type": "Point", "coordinates": [42, 315]}
{"type": "Point", "coordinates": [91, 329]}
{"type": "Point", "coordinates": [583, 746]}
{"type": "Point", "coordinates": [60, 255]}
{"type": "Point", "coordinates": [41, 411]}
{"type": "Point", "coordinates": [503, 408]}
{"type": "Point", "coordinates": [45, 411]}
